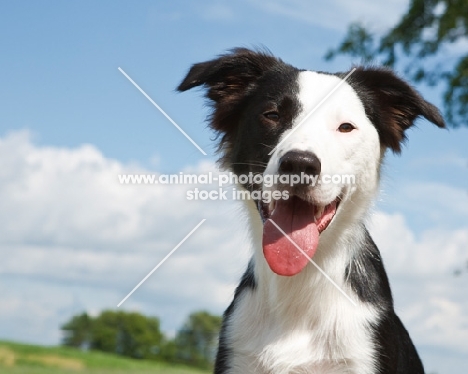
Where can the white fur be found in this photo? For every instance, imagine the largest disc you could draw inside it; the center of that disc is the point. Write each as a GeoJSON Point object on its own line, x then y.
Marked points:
{"type": "Point", "coordinates": [303, 324]}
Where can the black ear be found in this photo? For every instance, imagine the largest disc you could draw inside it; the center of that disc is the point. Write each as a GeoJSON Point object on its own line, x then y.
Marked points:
{"type": "Point", "coordinates": [230, 74]}
{"type": "Point", "coordinates": [391, 104]}
{"type": "Point", "coordinates": [229, 78]}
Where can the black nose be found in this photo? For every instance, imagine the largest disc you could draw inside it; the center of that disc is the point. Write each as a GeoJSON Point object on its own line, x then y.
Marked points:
{"type": "Point", "coordinates": [297, 162]}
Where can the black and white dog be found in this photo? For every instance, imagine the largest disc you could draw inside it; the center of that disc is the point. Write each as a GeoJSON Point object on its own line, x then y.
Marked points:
{"type": "Point", "coordinates": [288, 314]}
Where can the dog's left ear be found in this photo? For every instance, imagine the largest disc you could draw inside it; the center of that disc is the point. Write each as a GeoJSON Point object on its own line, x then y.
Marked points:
{"type": "Point", "coordinates": [391, 104]}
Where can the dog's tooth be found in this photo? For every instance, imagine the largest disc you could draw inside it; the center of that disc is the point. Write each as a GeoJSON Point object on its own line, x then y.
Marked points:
{"type": "Point", "coordinates": [272, 206]}
{"type": "Point", "coordinates": [319, 212]}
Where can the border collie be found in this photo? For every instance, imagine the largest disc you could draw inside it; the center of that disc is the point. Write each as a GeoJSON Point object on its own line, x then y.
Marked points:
{"type": "Point", "coordinates": [288, 314]}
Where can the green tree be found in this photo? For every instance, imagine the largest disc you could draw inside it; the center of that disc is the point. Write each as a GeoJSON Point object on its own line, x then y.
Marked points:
{"type": "Point", "coordinates": [197, 340]}
{"type": "Point", "coordinates": [77, 331]}
{"type": "Point", "coordinates": [168, 350]}
{"type": "Point", "coordinates": [127, 334]}
{"type": "Point", "coordinates": [418, 40]}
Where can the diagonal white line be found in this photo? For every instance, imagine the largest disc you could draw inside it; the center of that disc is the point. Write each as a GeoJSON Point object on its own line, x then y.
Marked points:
{"type": "Point", "coordinates": [313, 262]}
{"type": "Point", "coordinates": [163, 112]}
{"type": "Point", "coordinates": [161, 262]}
{"type": "Point", "coordinates": [313, 110]}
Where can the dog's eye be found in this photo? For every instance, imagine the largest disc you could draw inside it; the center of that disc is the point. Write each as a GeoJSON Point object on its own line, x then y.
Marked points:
{"type": "Point", "coordinates": [272, 115]}
{"type": "Point", "coordinates": [346, 127]}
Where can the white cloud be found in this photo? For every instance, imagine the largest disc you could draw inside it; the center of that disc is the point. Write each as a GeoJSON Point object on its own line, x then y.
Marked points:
{"type": "Point", "coordinates": [73, 238]}
{"type": "Point", "coordinates": [433, 252]}
{"type": "Point", "coordinates": [337, 14]}
{"type": "Point", "coordinates": [66, 220]}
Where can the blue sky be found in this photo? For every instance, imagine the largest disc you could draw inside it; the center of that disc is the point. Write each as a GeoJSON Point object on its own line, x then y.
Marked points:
{"type": "Point", "coordinates": [70, 121]}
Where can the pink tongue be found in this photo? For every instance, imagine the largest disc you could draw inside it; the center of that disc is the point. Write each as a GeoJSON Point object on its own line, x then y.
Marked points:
{"type": "Point", "coordinates": [296, 219]}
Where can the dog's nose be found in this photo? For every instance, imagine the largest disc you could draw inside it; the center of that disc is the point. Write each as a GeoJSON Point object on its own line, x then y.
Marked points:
{"type": "Point", "coordinates": [297, 162]}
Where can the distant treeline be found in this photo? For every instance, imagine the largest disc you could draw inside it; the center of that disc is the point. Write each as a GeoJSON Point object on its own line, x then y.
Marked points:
{"type": "Point", "coordinates": [134, 335]}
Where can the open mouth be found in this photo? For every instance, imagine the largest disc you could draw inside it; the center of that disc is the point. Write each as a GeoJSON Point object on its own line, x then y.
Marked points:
{"type": "Point", "coordinates": [302, 222]}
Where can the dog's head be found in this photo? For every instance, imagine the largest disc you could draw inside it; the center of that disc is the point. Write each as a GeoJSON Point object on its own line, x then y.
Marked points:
{"type": "Point", "coordinates": [276, 120]}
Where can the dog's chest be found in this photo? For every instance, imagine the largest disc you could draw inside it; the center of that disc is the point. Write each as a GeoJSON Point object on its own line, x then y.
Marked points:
{"type": "Point", "coordinates": [331, 336]}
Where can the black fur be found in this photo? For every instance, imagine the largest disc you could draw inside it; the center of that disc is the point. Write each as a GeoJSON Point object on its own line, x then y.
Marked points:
{"type": "Point", "coordinates": [247, 283]}
{"type": "Point", "coordinates": [396, 352]}
{"type": "Point", "coordinates": [367, 275]}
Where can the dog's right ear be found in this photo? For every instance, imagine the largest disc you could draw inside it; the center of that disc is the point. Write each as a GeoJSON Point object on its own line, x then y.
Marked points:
{"type": "Point", "coordinates": [229, 76]}
{"type": "Point", "coordinates": [228, 79]}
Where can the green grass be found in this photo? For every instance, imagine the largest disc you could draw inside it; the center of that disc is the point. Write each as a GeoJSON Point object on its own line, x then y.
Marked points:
{"type": "Point", "coordinates": [18, 358]}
